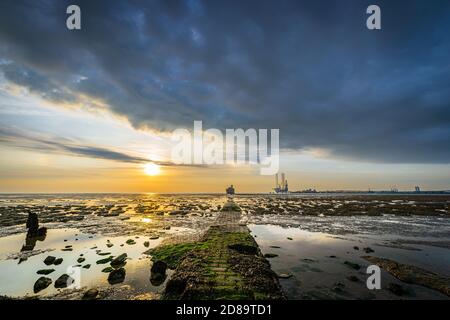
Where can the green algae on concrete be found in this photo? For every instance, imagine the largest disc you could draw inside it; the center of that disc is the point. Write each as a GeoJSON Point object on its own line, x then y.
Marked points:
{"type": "Point", "coordinates": [230, 206]}
{"type": "Point", "coordinates": [172, 254]}
{"type": "Point", "coordinates": [226, 264]}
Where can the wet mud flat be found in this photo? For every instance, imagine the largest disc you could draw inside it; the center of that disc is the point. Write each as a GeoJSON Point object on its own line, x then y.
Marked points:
{"type": "Point", "coordinates": [346, 205]}
{"type": "Point", "coordinates": [225, 264]}
{"type": "Point", "coordinates": [318, 265]}
{"type": "Point", "coordinates": [311, 251]}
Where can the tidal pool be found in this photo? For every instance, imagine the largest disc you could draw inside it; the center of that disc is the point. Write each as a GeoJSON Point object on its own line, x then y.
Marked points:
{"type": "Point", "coordinates": [316, 263]}
{"type": "Point", "coordinates": [17, 279]}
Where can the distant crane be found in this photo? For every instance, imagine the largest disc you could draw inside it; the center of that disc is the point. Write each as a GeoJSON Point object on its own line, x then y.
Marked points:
{"type": "Point", "coordinates": [283, 187]}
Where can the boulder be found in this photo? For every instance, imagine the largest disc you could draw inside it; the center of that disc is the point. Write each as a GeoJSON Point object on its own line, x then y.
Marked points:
{"type": "Point", "coordinates": [120, 260]}
{"type": "Point", "coordinates": [116, 276]}
{"type": "Point", "coordinates": [45, 271]}
{"type": "Point", "coordinates": [32, 223]}
{"type": "Point", "coordinates": [159, 267]}
{"type": "Point", "coordinates": [64, 281]}
{"type": "Point", "coordinates": [91, 294]}
{"type": "Point", "coordinates": [49, 260]}
{"type": "Point", "coordinates": [41, 284]}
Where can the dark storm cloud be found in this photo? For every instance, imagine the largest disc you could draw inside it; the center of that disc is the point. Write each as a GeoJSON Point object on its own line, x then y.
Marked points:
{"type": "Point", "coordinates": [310, 68]}
{"type": "Point", "coordinates": [46, 144]}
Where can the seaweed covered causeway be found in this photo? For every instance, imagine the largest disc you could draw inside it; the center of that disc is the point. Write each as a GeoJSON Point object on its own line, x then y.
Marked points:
{"type": "Point", "coordinates": [225, 264]}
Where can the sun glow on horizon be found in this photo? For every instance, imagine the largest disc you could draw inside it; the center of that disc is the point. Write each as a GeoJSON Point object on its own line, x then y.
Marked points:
{"type": "Point", "coordinates": [152, 169]}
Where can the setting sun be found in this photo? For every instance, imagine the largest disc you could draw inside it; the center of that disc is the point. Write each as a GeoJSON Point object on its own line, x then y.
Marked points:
{"type": "Point", "coordinates": [152, 169]}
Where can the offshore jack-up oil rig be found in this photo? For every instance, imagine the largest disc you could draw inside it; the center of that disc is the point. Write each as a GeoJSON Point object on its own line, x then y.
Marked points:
{"type": "Point", "coordinates": [283, 187]}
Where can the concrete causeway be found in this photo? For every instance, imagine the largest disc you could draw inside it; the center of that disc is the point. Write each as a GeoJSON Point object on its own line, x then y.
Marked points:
{"type": "Point", "coordinates": [225, 264]}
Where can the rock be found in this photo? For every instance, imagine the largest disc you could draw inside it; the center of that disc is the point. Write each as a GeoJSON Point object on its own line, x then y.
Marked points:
{"type": "Point", "coordinates": [116, 276]}
{"type": "Point", "coordinates": [332, 256]}
{"type": "Point", "coordinates": [352, 265]}
{"type": "Point", "coordinates": [356, 247]}
{"type": "Point", "coordinates": [91, 294]}
{"type": "Point", "coordinates": [158, 273]}
{"type": "Point", "coordinates": [353, 278]}
{"type": "Point", "coordinates": [32, 223]}
{"type": "Point", "coordinates": [45, 271]}
{"type": "Point", "coordinates": [368, 250]}
{"type": "Point", "coordinates": [81, 260]}
{"type": "Point", "coordinates": [146, 244]}
{"type": "Point", "coordinates": [120, 260]}
{"type": "Point", "coordinates": [275, 247]}
{"type": "Point", "coordinates": [106, 260]}
{"type": "Point", "coordinates": [284, 275]}
{"type": "Point", "coordinates": [22, 259]}
{"type": "Point", "coordinates": [130, 242]}
{"type": "Point", "coordinates": [108, 269]}
{"type": "Point", "coordinates": [103, 253]}
{"type": "Point", "coordinates": [58, 261]}
{"type": "Point", "coordinates": [109, 245]}
{"type": "Point", "coordinates": [67, 249]}
{"type": "Point", "coordinates": [270, 255]}
{"type": "Point", "coordinates": [159, 267]}
{"type": "Point", "coordinates": [396, 289]}
{"type": "Point", "coordinates": [154, 237]}
{"type": "Point", "coordinates": [87, 266]}
{"type": "Point", "coordinates": [338, 287]}
{"type": "Point", "coordinates": [63, 281]}
{"type": "Point", "coordinates": [49, 260]}
{"type": "Point", "coordinates": [289, 238]}
{"type": "Point", "coordinates": [41, 284]}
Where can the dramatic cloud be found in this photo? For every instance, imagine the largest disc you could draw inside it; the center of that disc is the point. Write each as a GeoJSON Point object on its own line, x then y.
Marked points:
{"type": "Point", "coordinates": [62, 146]}
{"type": "Point", "coordinates": [310, 68]}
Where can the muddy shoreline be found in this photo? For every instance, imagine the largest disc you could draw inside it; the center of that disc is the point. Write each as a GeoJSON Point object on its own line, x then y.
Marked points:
{"type": "Point", "coordinates": [297, 234]}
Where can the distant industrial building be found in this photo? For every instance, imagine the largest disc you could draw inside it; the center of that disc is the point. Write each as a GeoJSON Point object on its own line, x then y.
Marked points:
{"type": "Point", "coordinates": [417, 188]}
{"type": "Point", "coordinates": [283, 187]}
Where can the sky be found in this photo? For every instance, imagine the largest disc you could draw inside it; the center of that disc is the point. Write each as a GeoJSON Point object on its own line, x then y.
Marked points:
{"type": "Point", "coordinates": [85, 110]}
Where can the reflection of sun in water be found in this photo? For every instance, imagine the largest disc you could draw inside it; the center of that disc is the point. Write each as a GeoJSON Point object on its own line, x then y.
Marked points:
{"type": "Point", "coordinates": [152, 169]}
